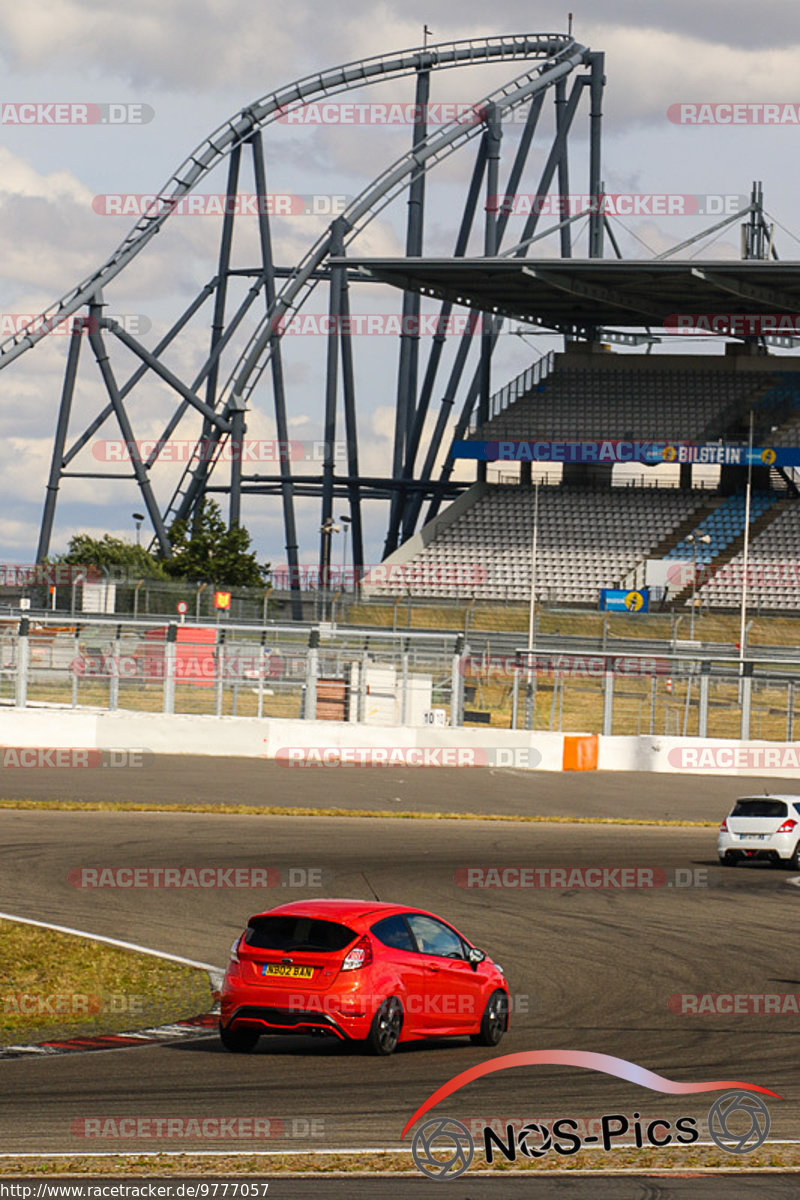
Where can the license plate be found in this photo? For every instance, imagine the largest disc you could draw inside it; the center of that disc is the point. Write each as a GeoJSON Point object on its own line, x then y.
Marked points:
{"type": "Point", "coordinates": [287, 972]}
{"type": "Point", "coordinates": [753, 836]}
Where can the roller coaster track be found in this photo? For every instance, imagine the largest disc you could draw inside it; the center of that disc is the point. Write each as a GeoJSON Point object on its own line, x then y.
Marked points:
{"type": "Point", "coordinates": [272, 107]}
{"type": "Point", "coordinates": [256, 355]}
{"type": "Point", "coordinates": [555, 55]}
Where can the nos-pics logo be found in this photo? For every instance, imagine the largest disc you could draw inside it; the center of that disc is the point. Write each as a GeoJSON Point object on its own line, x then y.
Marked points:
{"type": "Point", "coordinates": [444, 1149]}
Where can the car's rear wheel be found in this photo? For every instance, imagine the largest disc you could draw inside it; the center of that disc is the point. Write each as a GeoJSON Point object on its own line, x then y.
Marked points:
{"type": "Point", "coordinates": [384, 1032]}
{"type": "Point", "coordinates": [238, 1041]}
{"type": "Point", "coordinates": [793, 862]}
{"type": "Point", "coordinates": [494, 1021]}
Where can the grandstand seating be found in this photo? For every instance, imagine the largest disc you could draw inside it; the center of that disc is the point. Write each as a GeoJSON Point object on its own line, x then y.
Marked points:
{"type": "Point", "coordinates": [784, 393]}
{"type": "Point", "coordinates": [773, 575]}
{"type": "Point", "coordinates": [660, 404]}
{"type": "Point", "coordinates": [591, 537]}
{"type": "Point", "coordinates": [724, 525]}
{"type": "Point", "coordinates": [787, 434]}
{"type": "Point", "coordinates": [588, 539]}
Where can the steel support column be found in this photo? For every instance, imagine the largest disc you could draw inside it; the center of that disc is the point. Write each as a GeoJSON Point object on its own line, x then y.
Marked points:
{"type": "Point", "coordinates": [409, 334]}
{"type": "Point", "coordinates": [220, 300]}
{"type": "Point", "coordinates": [237, 451]}
{"type": "Point", "coordinates": [101, 355]}
{"type": "Point", "coordinates": [331, 392]}
{"type": "Point", "coordinates": [494, 135]}
{"type": "Point", "coordinates": [557, 150]}
{"type": "Point", "coordinates": [563, 167]}
{"type": "Point", "coordinates": [278, 388]}
{"type": "Point", "coordinates": [597, 83]}
{"type": "Point", "coordinates": [57, 463]}
{"type": "Point", "coordinates": [351, 435]}
{"type": "Point", "coordinates": [410, 507]}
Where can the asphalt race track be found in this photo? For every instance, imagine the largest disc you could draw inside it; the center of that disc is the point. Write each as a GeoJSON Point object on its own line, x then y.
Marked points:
{"type": "Point", "coordinates": [186, 779]}
{"type": "Point", "coordinates": [588, 969]}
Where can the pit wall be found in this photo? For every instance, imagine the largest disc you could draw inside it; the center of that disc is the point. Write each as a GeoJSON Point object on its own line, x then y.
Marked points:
{"type": "Point", "coordinates": [326, 742]}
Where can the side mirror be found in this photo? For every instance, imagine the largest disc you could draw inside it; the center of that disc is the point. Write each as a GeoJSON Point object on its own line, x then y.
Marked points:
{"type": "Point", "coordinates": [475, 956]}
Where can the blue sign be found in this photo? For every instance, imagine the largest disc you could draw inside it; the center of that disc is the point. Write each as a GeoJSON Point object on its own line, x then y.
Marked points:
{"type": "Point", "coordinates": [611, 451]}
{"type": "Point", "coordinates": [624, 600]}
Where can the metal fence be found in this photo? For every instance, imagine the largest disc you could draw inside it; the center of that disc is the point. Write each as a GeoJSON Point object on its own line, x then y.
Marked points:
{"type": "Point", "coordinates": [230, 670]}
{"type": "Point", "coordinates": [379, 676]}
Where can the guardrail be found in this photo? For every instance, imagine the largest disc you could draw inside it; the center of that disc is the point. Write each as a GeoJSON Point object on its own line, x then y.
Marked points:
{"type": "Point", "coordinates": [402, 678]}
{"type": "Point", "coordinates": [520, 386]}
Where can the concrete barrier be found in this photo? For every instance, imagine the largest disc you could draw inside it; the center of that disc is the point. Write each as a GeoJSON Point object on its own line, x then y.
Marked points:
{"type": "Point", "coordinates": [334, 743]}
{"type": "Point", "coordinates": [700, 756]}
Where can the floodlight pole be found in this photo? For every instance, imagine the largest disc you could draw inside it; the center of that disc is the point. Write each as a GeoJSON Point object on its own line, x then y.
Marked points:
{"type": "Point", "coordinates": [532, 611]}
{"type": "Point", "coordinates": [694, 587]}
{"type": "Point", "coordinates": [534, 548]}
{"type": "Point", "coordinates": [746, 551]}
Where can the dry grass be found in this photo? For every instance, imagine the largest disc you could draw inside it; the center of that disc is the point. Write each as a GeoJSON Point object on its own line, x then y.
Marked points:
{"type": "Point", "coordinates": [251, 810]}
{"type": "Point", "coordinates": [97, 988]}
{"type": "Point", "coordinates": [772, 1156]}
{"type": "Point", "coordinates": [722, 628]}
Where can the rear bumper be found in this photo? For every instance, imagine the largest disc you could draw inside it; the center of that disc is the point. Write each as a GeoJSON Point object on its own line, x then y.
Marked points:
{"type": "Point", "coordinates": [774, 849]}
{"type": "Point", "coordinates": [277, 1010]}
{"type": "Point", "coordinates": [287, 1021]}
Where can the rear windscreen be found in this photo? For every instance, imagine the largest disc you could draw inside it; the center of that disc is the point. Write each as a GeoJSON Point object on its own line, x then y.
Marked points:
{"type": "Point", "coordinates": [298, 933]}
{"type": "Point", "coordinates": [759, 808]}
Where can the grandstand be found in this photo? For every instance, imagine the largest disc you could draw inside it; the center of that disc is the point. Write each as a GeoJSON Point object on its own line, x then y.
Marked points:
{"type": "Point", "coordinates": [773, 572]}
{"type": "Point", "coordinates": [724, 526]}
{"type": "Point", "coordinates": [656, 402]}
{"type": "Point", "coordinates": [594, 533]}
{"type": "Point", "coordinates": [588, 539]}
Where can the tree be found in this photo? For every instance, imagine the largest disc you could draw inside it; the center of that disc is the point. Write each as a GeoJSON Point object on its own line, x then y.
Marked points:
{"type": "Point", "coordinates": [214, 553]}
{"type": "Point", "coordinates": [113, 555]}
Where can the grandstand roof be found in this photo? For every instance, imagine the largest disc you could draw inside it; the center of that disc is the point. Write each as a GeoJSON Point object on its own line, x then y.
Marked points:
{"type": "Point", "coordinates": [573, 294]}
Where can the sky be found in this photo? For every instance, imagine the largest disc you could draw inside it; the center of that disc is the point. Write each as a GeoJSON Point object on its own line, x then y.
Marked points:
{"type": "Point", "coordinates": [166, 75]}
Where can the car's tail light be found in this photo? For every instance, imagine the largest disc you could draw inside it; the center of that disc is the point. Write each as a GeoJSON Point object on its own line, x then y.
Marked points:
{"type": "Point", "coordinates": [234, 948]}
{"type": "Point", "coordinates": [787, 826]}
{"type": "Point", "coordinates": [359, 956]}
{"type": "Point", "coordinates": [724, 826]}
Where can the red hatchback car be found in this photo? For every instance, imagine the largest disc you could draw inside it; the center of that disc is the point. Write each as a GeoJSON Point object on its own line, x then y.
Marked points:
{"type": "Point", "coordinates": [360, 971]}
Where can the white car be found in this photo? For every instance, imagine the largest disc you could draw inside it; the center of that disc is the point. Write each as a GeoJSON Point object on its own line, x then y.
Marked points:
{"type": "Point", "coordinates": [761, 827]}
